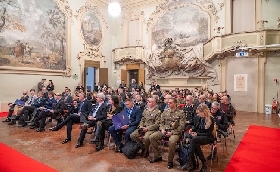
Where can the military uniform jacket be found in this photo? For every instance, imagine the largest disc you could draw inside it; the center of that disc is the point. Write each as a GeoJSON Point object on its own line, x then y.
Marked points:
{"type": "Point", "coordinates": [173, 121]}
{"type": "Point", "coordinates": [150, 119]}
{"type": "Point", "coordinates": [190, 112]}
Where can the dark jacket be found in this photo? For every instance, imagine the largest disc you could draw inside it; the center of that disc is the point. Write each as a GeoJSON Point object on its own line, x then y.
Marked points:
{"type": "Point", "coordinates": [190, 112]}
{"type": "Point", "coordinates": [101, 112]}
{"type": "Point", "coordinates": [141, 105]}
{"type": "Point", "coordinates": [67, 99]}
{"type": "Point", "coordinates": [50, 87]}
{"type": "Point", "coordinates": [221, 120]}
{"type": "Point", "coordinates": [24, 98]}
{"type": "Point", "coordinates": [206, 102]}
{"type": "Point", "coordinates": [59, 107]}
{"type": "Point", "coordinates": [162, 107]}
{"type": "Point", "coordinates": [50, 103]}
{"type": "Point", "coordinates": [39, 102]}
{"type": "Point", "coordinates": [85, 107]}
{"type": "Point", "coordinates": [199, 127]}
{"type": "Point", "coordinates": [135, 116]}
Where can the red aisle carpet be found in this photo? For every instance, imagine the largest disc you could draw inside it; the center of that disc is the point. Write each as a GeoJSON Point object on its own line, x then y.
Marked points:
{"type": "Point", "coordinates": [13, 161]}
{"type": "Point", "coordinates": [3, 114]}
{"type": "Point", "coordinates": [258, 151]}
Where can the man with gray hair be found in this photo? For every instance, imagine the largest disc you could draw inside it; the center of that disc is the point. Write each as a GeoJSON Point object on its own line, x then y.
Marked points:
{"type": "Point", "coordinates": [98, 113]}
{"type": "Point", "coordinates": [221, 123]}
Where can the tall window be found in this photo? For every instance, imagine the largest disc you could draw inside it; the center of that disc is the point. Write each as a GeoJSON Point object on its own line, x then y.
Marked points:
{"type": "Point", "coordinates": [243, 15]}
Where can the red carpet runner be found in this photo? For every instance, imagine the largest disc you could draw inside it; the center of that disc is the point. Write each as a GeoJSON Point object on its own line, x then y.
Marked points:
{"type": "Point", "coordinates": [258, 151]}
{"type": "Point", "coordinates": [14, 161]}
{"type": "Point", "coordinates": [3, 114]}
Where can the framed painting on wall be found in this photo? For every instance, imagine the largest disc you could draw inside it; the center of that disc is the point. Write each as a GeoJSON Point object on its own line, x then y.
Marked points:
{"type": "Point", "coordinates": [240, 82]}
{"type": "Point", "coordinates": [34, 37]}
{"type": "Point", "coordinates": [91, 26]}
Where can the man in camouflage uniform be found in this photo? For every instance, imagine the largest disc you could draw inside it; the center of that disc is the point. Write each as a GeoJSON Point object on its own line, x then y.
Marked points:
{"type": "Point", "coordinates": [172, 124]}
{"type": "Point", "coordinates": [148, 125]}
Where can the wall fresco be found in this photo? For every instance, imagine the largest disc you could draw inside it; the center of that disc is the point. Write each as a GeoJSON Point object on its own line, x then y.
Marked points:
{"type": "Point", "coordinates": [32, 34]}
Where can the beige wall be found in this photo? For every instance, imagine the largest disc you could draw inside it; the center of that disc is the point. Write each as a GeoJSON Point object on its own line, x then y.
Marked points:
{"type": "Point", "coordinates": [271, 72]}
{"type": "Point", "coordinates": [270, 13]}
{"type": "Point", "coordinates": [244, 100]}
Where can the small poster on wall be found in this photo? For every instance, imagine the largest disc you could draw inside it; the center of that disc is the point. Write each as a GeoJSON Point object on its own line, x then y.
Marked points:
{"type": "Point", "coordinates": [240, 82]}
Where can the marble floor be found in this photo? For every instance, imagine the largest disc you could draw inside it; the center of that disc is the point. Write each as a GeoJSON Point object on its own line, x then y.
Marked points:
{"type": "Point", "coordinates": [46, 147]}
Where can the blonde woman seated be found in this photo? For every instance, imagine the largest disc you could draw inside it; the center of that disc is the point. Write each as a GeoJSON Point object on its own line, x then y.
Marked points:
{"type": "Point", "coordinates": [201, 135]}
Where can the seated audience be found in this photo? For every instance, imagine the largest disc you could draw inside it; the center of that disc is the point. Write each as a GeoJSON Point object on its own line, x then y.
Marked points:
{"type": "Point", "coordinates": [134, 114]}
{"type": "Point", "coordinates": [190, 112]}
{"type": "Point", "coordinates": [201, 134]}
{"type": "Point", "coordinates": [27, 110]}
{"type": "Point", "coordinates": [228, 109]}
{"type": "Point", "coordinates": [84, 109]}
{"type": "Point", "coordinates": [113, 109]}
{"type": "Point", "coordinates": [14, 108]}
{"type": "Point", "coordinates": [221, 123]}
{"type": "Point", "coordinates": [148, 125]}
{"type": "Point", "coordinates": [98, 113]}
{"type": "Point", "coordinates": [202, 99]}
{"type": "Point", "coordinates": [172, 123]}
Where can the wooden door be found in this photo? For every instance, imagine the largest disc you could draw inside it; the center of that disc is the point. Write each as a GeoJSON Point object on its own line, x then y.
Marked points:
{"type": "Point", "coordinates": [103, 76]}
{"type": "Point", "coordinates": [141, 76]}
{"type": "Point", "coordinates": [124, 76]}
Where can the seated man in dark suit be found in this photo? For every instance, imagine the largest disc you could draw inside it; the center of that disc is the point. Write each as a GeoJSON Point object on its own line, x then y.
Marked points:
{"type": "Point", "coordinates": [24, 113]}
{"type": "Point", "coordinates": [37, 113]}
{"type": "Point", "coordinates": [67, 98]}
{"type": "Point", "coordinates": [14, 107]}
{"type": "Point", "coordinates": [53, 108]}
{"type": "Point", "coordinates": [98, 113]}
{"type": "Point", "coordinates": [134, 114]}
{"type": "Point", "coordinates": [85, 107]}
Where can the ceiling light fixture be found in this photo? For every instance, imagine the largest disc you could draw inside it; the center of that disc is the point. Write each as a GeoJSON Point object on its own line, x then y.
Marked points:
{"type": "Point", "coordinates": [114, 9]}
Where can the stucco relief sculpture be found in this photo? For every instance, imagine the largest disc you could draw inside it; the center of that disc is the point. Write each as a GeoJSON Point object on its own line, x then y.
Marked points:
{"type": "Point", "coordinates": [174, 60]}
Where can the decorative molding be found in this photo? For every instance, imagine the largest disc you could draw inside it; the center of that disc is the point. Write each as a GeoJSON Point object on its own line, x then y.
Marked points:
{"type": "Point", "coordinates": [261, 24]}
{"type": "Point", "coordinates": [262, 39]}
{"type": "Point", "coordinates": [204, 5]}
{"type": "Point", "coordinates": [64, 7]}
{"type": "Point", "coordinates": [133, 15]}
{"type": "Point", "coordinates": [222, 5]}
{"type": "Point", "coordinates": [129, 55]}
{"type": "Point", "coordinates": [67, 72]}
{"type": "Point", "coordinates": [239, 44]}
{"type": "Point", "coordinates": [89, 7]}
{"type": "Point", "coordinates": [218, 29]}
{"type": "Point", "coordinates": [91, 53]}
{"type": "Point", "coordinates": [216, 18]}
